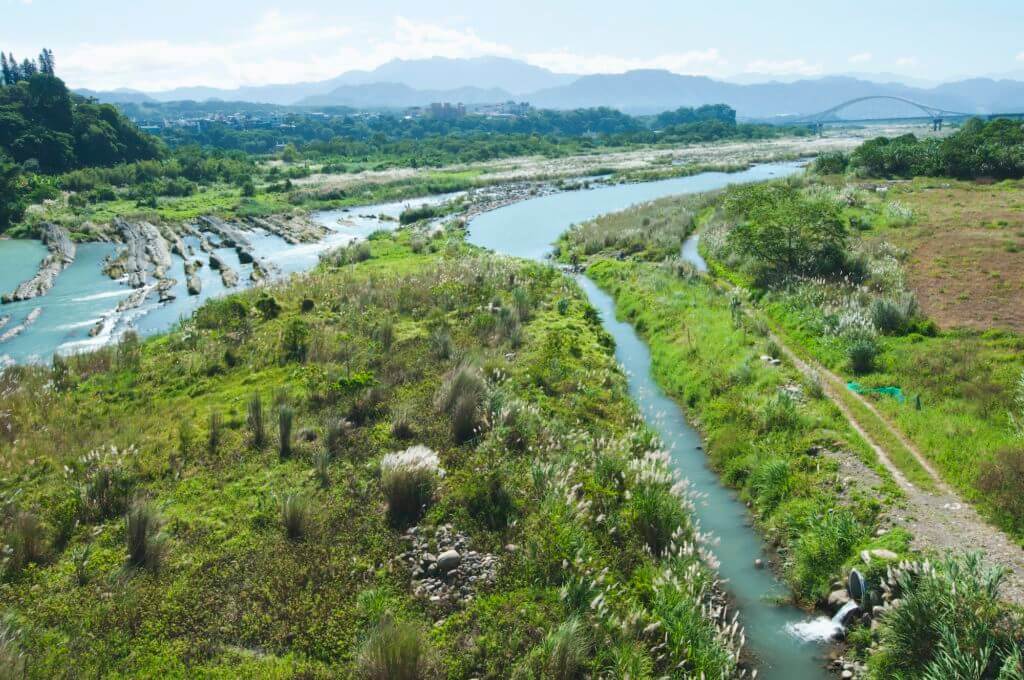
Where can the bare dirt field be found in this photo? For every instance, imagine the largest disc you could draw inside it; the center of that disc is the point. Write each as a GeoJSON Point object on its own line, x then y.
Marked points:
{"type": "Point", "coordinates": [966, 249]}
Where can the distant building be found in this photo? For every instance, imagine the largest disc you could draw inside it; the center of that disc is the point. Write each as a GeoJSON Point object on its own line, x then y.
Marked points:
{"type": "Point", "coordinates": [509, 109]}
{"type": "Point", "coordinates": [447, 111]}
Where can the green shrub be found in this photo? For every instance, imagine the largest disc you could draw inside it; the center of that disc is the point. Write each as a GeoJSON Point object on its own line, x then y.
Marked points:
{"type": "Point", "coordinates": [441, 343]}
{"type": "Point", "coordinates": [384, 333]}
{"type": "Point", "coordinates": [105, 486]}
{"type": "Point", "coordinates": [268, 307]}
{"type": "Point", "coordinates": [295, 341]}
{"type": "Point", "coordinates": [861, 351]}
{"type": "Point", "coordinates": [822, 548]}
{"type": "Point", "coordinates": [831, 163]}
{"type": "Point", "coordinates": [403, 425]}
{"type": "Point", "coordinates": [338, 430]}
{"type": "Point", "coordinates": [322, 468]}
{"type": "Point", "coordinates": [396, 650]}
{"type": "Point", "coordinates": [1001, 480]}
{"type": "Point", "coordinates": [771, 483]}
{"type": "Point", "coordinates": [146, 543]}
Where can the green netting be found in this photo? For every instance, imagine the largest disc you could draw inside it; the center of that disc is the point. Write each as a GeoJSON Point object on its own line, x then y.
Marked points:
{"type": "Point", "coordinates": [894, 392]}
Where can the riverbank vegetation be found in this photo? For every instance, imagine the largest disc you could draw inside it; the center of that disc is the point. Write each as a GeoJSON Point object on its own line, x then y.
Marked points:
{"type": "Point", "coordinates": [950, 390]}
{"type": "Point", "coordinates": [451, 481]}
{"type": "Point", "coordinates": [769, 431]}
{"type": "Point", "coordinates": [809, 479]}
{"type": "Point", "coordinates": [980, 149]}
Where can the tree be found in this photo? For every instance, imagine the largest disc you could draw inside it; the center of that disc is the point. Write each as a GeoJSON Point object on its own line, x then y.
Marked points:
{"type": "Point", "coordinates": [5, 71]}
{"type": "Point", "coordinates": [14, 68]}
{"type": "Point", "coordinates": [786, 232]}
{"type": "Point", "coordinates": [46, 64]}
{"type": "Point", "coordinates": [12, 188]}
{"type": "Point", "coordinates": [28, 69]}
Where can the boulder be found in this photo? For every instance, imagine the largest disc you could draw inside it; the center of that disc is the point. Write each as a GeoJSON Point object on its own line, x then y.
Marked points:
{"type": "Point", "coordinates": [837, 598]}
{"type": "Point", "coordinates": [883, 554]}
{"type": "Point", "coordinates": [448, 560]}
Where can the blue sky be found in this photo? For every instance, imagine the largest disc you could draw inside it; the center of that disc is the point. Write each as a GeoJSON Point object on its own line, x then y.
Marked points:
{"type": "Point", "coordinates": [150, 44]}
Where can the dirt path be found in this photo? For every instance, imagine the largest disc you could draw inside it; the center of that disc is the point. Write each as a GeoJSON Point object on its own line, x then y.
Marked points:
{"type": "Point", "coordinates": [939, 520]}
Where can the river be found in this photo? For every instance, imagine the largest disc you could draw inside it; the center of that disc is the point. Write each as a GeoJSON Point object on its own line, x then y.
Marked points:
{"type": "Point", "coordinates": [83, 295]}
{"type": "Point", "coordinates": [527, 229]}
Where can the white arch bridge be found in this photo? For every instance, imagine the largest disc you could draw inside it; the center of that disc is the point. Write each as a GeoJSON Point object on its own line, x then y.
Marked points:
{"type": "Point", "coordinates": [935, 115]}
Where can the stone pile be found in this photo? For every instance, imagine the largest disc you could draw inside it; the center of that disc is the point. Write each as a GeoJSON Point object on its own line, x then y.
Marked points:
{"type": "Point", "coordinates": [444, 570]}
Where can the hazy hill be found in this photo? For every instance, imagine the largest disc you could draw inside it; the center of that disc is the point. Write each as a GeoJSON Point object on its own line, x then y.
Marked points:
{"type": "Point", "coordinates": [400, 84]}
{"type": "Point", "coordinates": [398, 95]}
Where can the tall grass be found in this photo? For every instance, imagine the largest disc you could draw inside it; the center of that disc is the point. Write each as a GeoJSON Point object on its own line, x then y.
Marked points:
{"type": "Point", "coordinates": [12, 658]}
{"type": "Point", "coordinates": [409, 480]}
{"type": "Point", "coordinates": [949, 623]}
{"type": "Point", "coordinates": [213, 434]}
{"type": "Point", "coordinates": [26, 542]}
{"type": "Point", "coordinates": [285, 421]}
{"type": "Point", "coordinates": [295, 516]}
{"type": "Point", "coordinates": [462, 397]}
{"type": "Point", "coordinates": [146, 544]}
{"type": "Point", "coordinates": [563, 655]}
{"type": "Point", "coordinates": [396, 650]}
{"type": "Point", "coordinates": [257, 424]}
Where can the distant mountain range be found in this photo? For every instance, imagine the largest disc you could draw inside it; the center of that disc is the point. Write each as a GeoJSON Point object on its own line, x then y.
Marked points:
{"type": "Point", "coordinates": [401, 84]}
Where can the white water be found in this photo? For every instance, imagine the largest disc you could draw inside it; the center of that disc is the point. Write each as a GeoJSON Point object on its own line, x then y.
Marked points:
{"type": "Point", "coordinates": [823, 628]}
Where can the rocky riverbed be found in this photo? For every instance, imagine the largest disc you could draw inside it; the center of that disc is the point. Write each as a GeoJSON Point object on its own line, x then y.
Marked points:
{"type": "Point", "coordinates": [61, 254]}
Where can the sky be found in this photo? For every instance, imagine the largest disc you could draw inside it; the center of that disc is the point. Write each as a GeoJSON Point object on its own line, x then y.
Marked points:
{"type": "Point", "coordinates": [160, 44]}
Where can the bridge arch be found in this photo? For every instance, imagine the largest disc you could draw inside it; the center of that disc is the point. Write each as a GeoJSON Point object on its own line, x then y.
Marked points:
{"type": "Point", "coordinates": [929, 111]}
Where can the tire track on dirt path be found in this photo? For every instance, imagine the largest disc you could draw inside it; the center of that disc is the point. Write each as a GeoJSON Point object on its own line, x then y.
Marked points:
{"type": "Point", "coordinates": [937, 521]}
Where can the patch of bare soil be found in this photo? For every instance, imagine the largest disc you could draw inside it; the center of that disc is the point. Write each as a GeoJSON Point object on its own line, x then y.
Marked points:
{"type": "Point", "coordinates": [967, 254]}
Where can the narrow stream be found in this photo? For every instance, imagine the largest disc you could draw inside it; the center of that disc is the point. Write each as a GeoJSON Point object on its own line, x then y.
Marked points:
{"type": "Point", "coordinates": [527, 230]}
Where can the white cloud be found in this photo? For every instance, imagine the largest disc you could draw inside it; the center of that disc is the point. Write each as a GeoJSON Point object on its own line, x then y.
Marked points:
{"type": "Point", "coordinates": [908, 62]}
{"type": "Point", "coordinates": [277, 48]}
{"type": "Point", "coordinates": [1020, 57]}
{"type": "Point", "coordinates": [283, 47]}
{"type": "Point", "coordinates": [785, 67]}
{"type": "Point", "coordinates": [861, 58]}
{"type": "Point", "coordinates": [691, 62]}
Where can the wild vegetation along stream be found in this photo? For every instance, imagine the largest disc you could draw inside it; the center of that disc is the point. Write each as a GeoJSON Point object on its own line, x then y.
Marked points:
{"type": "Point", "coordinates": [527, 229]}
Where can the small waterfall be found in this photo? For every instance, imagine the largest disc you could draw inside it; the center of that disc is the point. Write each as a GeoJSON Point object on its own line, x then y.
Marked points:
{"type": "Point", "coordinates": [822, 629]}
{"type": "Point", "coordinates": [840, 616]}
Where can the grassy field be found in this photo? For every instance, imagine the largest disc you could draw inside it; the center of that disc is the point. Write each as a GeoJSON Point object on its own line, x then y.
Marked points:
{"type": "Point", "coordinates": [227, 500]}
{"type": "Point", "coordinates": [961, 376]}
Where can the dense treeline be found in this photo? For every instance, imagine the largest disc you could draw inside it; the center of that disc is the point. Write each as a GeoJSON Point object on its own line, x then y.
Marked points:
{"type": "Point", "coordinates": [431, 141]}
{"type": "Point", "coordinates": [992, 149]}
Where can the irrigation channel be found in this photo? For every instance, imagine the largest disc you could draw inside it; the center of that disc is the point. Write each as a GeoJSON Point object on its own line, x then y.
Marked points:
{"type": "Point", "coordinates": [527, 229]}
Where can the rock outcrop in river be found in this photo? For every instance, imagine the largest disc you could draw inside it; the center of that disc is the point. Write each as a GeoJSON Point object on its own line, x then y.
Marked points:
{"type": "Point", "coordinates": [144, 245]}
{"type": "Point", "coordinates": [292, 228]}
{"type": "Point", "coordinates": [61, 255]}
{"type": "Point", "coordinates": [15, 331]}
